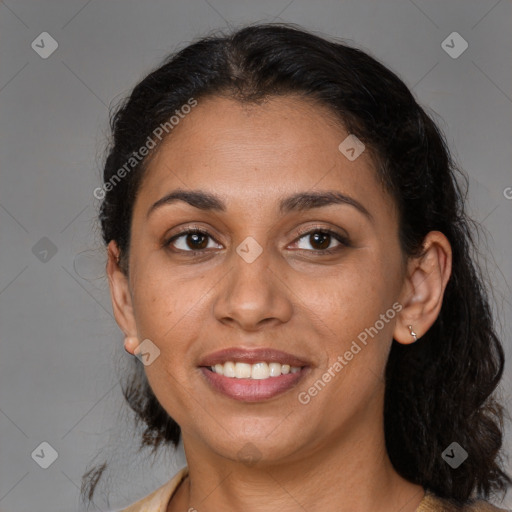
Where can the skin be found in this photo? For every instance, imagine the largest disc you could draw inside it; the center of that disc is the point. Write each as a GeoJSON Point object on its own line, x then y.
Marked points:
{"type": "Point", "coordinates": [328, 455]}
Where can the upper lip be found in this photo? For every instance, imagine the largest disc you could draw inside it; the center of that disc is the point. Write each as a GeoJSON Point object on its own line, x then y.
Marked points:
{"type": "Point", "coordinates": [251, 356]}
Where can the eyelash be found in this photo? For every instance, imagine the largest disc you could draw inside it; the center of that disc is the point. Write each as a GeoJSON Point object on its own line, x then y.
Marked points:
{"type": "Point", "coordinates": [309, 231]}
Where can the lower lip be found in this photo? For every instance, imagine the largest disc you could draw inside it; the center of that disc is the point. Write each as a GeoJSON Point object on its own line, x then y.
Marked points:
{"type": "Point", "coordinates": [252, 390]}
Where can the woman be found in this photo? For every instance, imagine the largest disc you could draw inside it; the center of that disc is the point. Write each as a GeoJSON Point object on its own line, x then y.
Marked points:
{"type": "Point", "coordinates": [290, 261]}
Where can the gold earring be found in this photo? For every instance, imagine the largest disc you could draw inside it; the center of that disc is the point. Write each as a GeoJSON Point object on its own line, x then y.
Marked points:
{"type": "Point", "coordinates": [413, 334]}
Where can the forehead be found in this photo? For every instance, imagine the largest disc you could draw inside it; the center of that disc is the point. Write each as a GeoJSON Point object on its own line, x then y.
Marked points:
{"type": "Point", "coordinates": [263, 151]}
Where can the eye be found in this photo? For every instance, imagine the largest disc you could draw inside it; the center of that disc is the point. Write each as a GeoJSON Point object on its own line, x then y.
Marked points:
{"type": "Point", "coordinates": [322, 240]}
{"type": "Point", "coordinates": [195, 240]}
{"type": "Point", "coordinates": [192, 240]}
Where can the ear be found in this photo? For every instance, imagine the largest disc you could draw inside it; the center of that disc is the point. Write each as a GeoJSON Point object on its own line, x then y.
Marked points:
{"type": "Point", "coordinates": [424, 286]}
{"type": "Point", "coordinates": [121, 298]}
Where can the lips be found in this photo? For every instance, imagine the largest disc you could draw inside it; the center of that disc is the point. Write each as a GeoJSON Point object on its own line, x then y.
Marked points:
{"type": "Point", "coordinates": [249, 389]}
{"type": "Point", "coordinates": [252, 356]}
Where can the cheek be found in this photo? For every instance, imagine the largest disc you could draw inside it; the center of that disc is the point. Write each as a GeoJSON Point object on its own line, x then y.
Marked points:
{"type": "Point", "coordinates": [356, 306]}
{"type": "Point", "coordinates": [170, 311]}
{"type": "Point", "coordinates": [167, 312]}
{"type": "Point", "coordinates": [156, 305]}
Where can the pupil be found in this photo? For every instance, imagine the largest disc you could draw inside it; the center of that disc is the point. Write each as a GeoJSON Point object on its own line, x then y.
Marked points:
{"type": "Point", "coordinates": [195, 236]}
{"type": "Point", "coordinates": [320, 239]}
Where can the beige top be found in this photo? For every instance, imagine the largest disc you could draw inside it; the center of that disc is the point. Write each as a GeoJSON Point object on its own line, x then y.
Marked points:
{"type": "Point", "coordinates": [158, 500]}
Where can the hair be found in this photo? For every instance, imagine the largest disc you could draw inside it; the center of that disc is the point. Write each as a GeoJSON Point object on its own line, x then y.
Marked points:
{"type": "Point", "coordinates": [437, 390]}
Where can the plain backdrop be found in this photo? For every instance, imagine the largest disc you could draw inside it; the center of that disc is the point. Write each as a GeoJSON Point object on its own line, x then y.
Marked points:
{"type": "Point", "coordinates": [59, 342]}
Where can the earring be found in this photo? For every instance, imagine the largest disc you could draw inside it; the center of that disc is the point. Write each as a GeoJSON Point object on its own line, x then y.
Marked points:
{"type": "Point", "coordinates": [413, 334]}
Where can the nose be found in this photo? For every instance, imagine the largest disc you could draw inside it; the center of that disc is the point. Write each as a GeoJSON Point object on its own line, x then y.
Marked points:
{"type": "Point", "coordinates": [253, 294]}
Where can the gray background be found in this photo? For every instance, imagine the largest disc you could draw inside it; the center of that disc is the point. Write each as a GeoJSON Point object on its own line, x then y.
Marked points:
{"type": "Point", "coordinates": [60, 344]}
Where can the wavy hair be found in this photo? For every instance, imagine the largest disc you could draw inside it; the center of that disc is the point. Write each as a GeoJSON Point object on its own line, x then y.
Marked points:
{"type": "Point", "coordinates": [439, 389]}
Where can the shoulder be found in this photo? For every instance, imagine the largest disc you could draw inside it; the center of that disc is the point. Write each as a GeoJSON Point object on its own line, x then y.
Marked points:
{"type": "Point", "coordinates": [158, 500]}
{"type": "Point", "coordinates": [483, 506]}
{"type": "Point", "coordinates": [432, 503]}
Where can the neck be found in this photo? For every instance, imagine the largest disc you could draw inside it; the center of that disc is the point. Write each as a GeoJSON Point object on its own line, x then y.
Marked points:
{"type": "Point", "coordinates": [349, 472]}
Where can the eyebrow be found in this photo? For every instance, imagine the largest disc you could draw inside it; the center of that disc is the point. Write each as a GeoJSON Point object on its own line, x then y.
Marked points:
{"type": "Point", "coordinates": [300, 201]}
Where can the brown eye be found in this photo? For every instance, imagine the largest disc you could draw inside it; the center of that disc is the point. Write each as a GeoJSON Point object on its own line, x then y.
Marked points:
{"type": "Point", "coordinates": [321, 241]}
{"type": "Point", "coordinates": [192, 240]}
{"type": "Point", "coordinates": [196, 241]}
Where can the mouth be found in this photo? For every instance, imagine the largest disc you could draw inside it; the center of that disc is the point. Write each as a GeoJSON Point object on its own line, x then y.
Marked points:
{"type": "Point", "coordinates": [252, 375]}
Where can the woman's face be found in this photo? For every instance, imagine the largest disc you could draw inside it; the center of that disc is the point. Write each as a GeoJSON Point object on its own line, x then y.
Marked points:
{"type": "Point", "coordinates": [313, 278]}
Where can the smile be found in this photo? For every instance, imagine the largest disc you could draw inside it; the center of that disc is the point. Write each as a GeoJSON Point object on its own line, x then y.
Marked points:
{"type": "Point", "coordinates": [258, 371]}
{"type": "Point", "coordinates": [252, 374]}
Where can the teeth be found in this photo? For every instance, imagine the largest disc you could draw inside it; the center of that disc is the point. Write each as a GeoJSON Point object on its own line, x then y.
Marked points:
{"type": "Point", "coordinates": [242, 370]}
{"type": "Point", "coordinates": [256, 371]}
{"type": "Point", "coordinates": [229, 369]}
{"type": "Point", "coordinates": [275, 369]}
{"type": "Point", "coordinates": [260, 371]}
